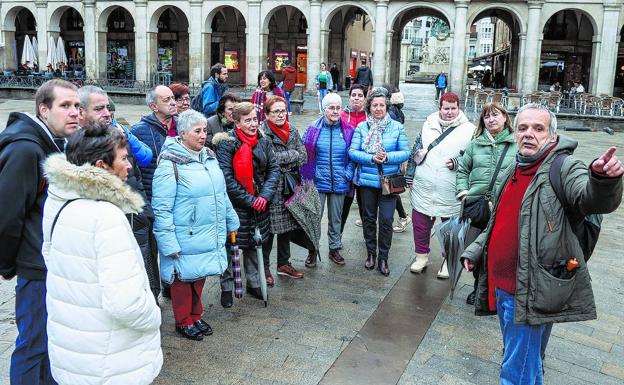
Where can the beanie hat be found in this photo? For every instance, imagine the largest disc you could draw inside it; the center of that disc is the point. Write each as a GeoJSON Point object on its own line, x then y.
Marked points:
{"type": "Point", "coordinates": [331, 98]}
{"type": "Point", "coordinates": [111, 105]}
{"type": "Point", "coordinates": [397, 98]}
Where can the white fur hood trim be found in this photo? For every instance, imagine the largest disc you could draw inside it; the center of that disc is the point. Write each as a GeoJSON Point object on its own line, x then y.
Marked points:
{"type": "Point", "coordinates": [91, 182]}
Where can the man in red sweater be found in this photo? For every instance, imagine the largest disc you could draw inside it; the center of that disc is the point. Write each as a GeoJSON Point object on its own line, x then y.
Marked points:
{"type": "Point", "coordinates": [529, 236]}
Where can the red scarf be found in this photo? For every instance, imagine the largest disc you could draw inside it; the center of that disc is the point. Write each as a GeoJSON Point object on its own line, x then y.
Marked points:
{"type": "Point", "coordinates": [243, 160]}
{"type": "Point", "coordinates": [282, 132]}
{"type": "Point", "coordinates": [172, 130]}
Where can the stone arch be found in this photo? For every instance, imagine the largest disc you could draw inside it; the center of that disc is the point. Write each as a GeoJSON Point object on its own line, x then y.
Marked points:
{"type": "Point", "coordinates": [290, 9]}
{"type": "Point", "coordinates": [9, 19]}
{"type": "Point", "coordinates": [546, 17]}
{"type": "Point", "coordinates": [153, 23]}
{"type": "Point", "coordinates": [515, 14]}
{"type": "Point", "coordinates": [435, 10]}
{"type": "Point", "coordinates": [57, 13]}
{"type": "Point", "coordinates": [328, 14]}
{"type": "Point", "coordinates": [226, 42]}
{"type": "Point", "coordinates": [106, 12]}
{"type": "Point", "coordinates": [223, 9]}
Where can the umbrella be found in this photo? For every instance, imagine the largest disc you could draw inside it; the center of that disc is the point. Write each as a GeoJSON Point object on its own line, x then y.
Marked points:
{"type": "Point", "coordinates": [305, 207]}
{"type": "Point", "coordinates": [35, 48]}
{"type": "Point", "coordinates": [236, 267]}
{"type": "Point", "coordinates": [550, 64]}
{"type": "Point", "coordinates": [477, 68]}
{"type": "Point", "coordinates": [52, 57]}
{"type": "Point", "coordinates": [60, 51]}
{"type": "Point", "coordinates": [261, 273]}
{"type": "Point", "coordinates": [452, 235]}
{"type": "Point", "coordinates": [27, 52]}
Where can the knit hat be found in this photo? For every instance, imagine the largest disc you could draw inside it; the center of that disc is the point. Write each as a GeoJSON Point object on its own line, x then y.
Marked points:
{"type": "Point", "coordinates": [397, 98]}
{"type": "Point", "coordinates": [331, 98]}
{"type": "Point", "coordinates": [111, 105]}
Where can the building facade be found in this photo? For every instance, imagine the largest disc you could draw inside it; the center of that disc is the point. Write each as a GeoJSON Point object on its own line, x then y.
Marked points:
{"type": "Point", "coordinates": [182, 38]}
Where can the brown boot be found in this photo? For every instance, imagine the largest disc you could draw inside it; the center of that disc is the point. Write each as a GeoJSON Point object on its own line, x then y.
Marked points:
{"type": "Point", "coordinates": [311, 260]}
{"type": "Point", "coordinates": [336, 258]}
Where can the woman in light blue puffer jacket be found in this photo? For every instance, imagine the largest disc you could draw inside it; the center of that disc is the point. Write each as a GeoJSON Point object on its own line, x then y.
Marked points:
{"type": "Point", "coordinates": [379, 142]}
{"type": "Point", "coordinates": [193, 217]}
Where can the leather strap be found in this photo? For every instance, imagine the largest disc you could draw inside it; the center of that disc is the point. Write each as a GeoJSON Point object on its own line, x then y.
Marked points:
{"type": "Point", "coordinates": [488, 193]}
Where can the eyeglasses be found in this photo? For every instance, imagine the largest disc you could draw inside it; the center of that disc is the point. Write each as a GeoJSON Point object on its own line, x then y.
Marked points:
{"type": "Point", "coordinates": [334, 108]}
{"type": "Point", "coordinates": [184, 99]}
{"type": "Point", "coordinates": [278, 112]}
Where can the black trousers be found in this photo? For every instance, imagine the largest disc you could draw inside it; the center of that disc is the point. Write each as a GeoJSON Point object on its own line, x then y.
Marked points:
{"type": "Point", "coordinates": [377, 207]}
{"type": "Point", "coordinates": [348, 201]}
{"type": "Point", "coordinates": [298, 237]}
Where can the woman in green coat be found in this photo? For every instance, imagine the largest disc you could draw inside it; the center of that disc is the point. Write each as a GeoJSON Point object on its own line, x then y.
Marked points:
{"type": "Point", "coordinates": [480, 165]}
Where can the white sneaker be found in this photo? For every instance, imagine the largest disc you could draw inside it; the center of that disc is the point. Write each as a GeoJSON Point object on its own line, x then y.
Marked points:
{"type": "Point", "coordinates": [443, 272]}
{"type": "Point", "coordinates": [420, 263]}
{"type": "Point", "coordinates": [402, 225]}
{"type": "Point", "coordinates": [358, 222]}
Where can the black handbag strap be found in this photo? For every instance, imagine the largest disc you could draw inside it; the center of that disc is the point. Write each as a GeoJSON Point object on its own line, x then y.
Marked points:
{"type": "Point", "coordinates": [440, 138]}
{"type": "Point", "coordinates": [59, 213]}
{"type": "Point", "coordinates": [488, 193]}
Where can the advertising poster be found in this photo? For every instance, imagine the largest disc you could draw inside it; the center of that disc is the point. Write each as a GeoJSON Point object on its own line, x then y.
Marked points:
{"type": "Point", "coordinates": [230, 59]}
{"type": "Point", "coordinates": [280, 58]}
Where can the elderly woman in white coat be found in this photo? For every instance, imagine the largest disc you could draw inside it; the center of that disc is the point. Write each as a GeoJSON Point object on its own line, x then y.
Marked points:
{"type": "Point", "coordinates": [432, 166]}
{"type": "Point", "coordinates": [103, 321]}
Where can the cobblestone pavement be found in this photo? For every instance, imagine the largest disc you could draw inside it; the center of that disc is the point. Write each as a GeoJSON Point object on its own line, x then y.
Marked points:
{"type": "Point", "coordinates": [310, 322]}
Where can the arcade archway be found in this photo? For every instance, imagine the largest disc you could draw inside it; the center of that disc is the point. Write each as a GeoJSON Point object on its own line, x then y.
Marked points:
{"type": "Point", "coordinates": [171, 45]}
{"type": "Point", "coordinates": [287, 39]}
{"type": "Point", "coordinates": [228, 42]}
{"type": "Point", "coordinates": [118, 57]}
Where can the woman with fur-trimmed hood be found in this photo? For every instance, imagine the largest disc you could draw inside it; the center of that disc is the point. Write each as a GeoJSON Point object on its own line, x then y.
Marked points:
{"type": "Point", "coordinates": [103, 322]}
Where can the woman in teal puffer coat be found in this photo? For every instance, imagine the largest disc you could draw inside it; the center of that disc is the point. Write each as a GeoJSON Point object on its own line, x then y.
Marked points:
{"type": "Point", "coordinates": [193, 217]}
{"type": "Point", "coordinates": [476, 177]}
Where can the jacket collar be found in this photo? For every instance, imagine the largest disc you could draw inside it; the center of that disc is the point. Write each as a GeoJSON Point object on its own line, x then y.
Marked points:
{"type": "Point", "coordinates": [68, 181]}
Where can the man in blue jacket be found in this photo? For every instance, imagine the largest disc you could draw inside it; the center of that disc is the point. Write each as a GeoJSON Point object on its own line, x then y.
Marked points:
{"type": "Point", "coordinates": [440, 82]}
{"type": "Point", "coordinates": [213, 89]}
{"type": "Point", "coordinates": [26, 142]}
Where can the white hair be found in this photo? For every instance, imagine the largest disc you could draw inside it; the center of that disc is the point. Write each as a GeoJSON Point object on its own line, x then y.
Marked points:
{"type": "Point", "coordinates": [188, 119]}
{"type": "Point", "coordinates": [552, 128]}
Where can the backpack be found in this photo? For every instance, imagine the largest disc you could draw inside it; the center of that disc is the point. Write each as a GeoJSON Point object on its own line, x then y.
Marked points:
{"type": "Point", "coordinates": [197, 103]}
{"type": "Point", "coordinates": [586, 229]}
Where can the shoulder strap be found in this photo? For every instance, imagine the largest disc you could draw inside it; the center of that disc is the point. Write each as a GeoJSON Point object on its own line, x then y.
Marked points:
{"type": "Point", "coordinates": [497, 170]}
{"type": "Point", "coordinates": [59, 213]}
{"type": "Point", "coordinates": [440, 138]}
{"type": "Point", "coordinates": [554, 175]}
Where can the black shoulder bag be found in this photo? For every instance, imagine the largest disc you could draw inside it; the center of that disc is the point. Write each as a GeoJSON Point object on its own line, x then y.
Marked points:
{"type": "Point", "coordinates": [478, 210]}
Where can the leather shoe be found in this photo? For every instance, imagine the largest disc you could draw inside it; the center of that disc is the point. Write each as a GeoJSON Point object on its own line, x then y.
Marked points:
{"type": "Point", "coordinates": [336, 258]}
{"type": "Point", "coordinates": [226, 299]}
{"type": "Point", "coordinates": [289, 271]}
{"type": "Point", "coordinates": [203, 327]}
{"type": "Point", "coordinates": [471, 298]}
{"type": "Point", "coordinates": [255, 292]}
{"type": "Point", "coordinates": [269, 278]}
{"type": "Point", "coordinates": [383, 267]}
{"type": "Point", "coordinates": [191, 332]}
{"type": "Point", "coordinates": [311, 260]}
{"type": "Point", "coordinates": [370, 262]}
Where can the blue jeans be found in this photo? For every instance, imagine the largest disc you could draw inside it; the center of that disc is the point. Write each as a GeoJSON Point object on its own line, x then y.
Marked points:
{"type": "Point", "coordinates": [287, 94]}
{"type": "Point", "coordinates": [322, 93]}
{"type": "Point", "coordinates": [524, 345]}
{"type": "Point", "coordinates": [30, 364]}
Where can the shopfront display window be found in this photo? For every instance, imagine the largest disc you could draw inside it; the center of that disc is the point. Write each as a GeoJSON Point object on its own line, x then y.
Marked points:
{"type": "Point", "coordinates": [231, 62]}
{"type": "Point", "coordinates": [279, 58]}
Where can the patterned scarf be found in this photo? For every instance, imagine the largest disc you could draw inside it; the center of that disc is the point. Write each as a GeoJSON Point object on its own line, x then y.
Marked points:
{"type": "Point", "coordinates": [373, 142]}
{"type": "Point", "coordinates": [243, 160]}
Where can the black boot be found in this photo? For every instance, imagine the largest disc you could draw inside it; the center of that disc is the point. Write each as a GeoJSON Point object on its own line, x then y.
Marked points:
{"type": "Point", "coordinates": [370, 261]}
{"type": "Point", "coordinates": [383, 267]}
{"type": "Point", "coordinates": [226, 299]}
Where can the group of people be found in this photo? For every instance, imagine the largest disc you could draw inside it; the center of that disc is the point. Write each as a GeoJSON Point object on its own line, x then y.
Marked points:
{"type": "Point", "coordinates": [101, 216]}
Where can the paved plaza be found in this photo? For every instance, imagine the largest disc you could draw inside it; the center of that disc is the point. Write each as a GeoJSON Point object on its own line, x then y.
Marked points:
{"type": "Point", "coordinates": [347, 325]}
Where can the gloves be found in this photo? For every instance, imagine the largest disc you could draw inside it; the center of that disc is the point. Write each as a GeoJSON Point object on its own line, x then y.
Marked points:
{"type": "Point", "coordinates": [260, 204]}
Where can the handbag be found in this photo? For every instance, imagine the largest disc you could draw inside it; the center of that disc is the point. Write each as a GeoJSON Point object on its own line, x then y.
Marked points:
{"type": "Point", "coordinates": [478, 210]}
{"type": "Point", "coordinates": [391, 184]}
{"type": "Point", "coordinates": [421, 154]}
{"type": "Point", "coordinates": [291, 180]}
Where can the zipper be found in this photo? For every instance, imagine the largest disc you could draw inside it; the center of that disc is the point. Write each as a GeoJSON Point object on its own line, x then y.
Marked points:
{"type": "Point", "coordinates": [193, 214]}
{"type": "Point", "coordinates": [331, 166]}
{"type": "Point", "coordinates": [214, 193]}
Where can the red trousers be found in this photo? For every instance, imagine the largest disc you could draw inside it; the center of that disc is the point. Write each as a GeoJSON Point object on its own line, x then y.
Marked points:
{"type": "Point", "coordinates": [186, 301]}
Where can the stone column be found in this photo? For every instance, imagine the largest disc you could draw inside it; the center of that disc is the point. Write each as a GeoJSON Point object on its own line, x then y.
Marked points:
{"type": "Point", "coordinates": [9, 37]}
{"type": "Point", "coordinates": [207, 54]}
{"type": "Point", "coordinates": [325, 48]}
{"type": "Point", "coordinates": [142, 55]}
{"type": "Point", "coordinates": [607, 58]}
{"type": "Point", "coordinates": [254, 57]}
{"type": "Point", "coordinates": [390, 61]}
{"type": "Point", "coordinates": [42, 32]}
{"type": "Point", "coordinates": [380, 42]}
{"type": "Point", "coordinates": [101, 38]}
{"type": "Point", "coordinates": [314, 43]}
{"type": "Point", "coordinates": [91, 64]}
{"type": "Point", "coordinates": [196, 62]}
{"type": "Point", "coordinates": [458, 50]}
{"type": "Point", "coordinates": [532, 47]}
{"type": "Point", "coordinates": [520, 62]}
{"type": "Point", "coordinates": [593, 69]}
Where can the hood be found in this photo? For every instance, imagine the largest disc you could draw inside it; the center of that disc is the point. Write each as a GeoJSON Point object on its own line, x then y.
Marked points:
{"type": "Point", "coordinates": [289, 69]}
{"type": "Point", "coordinates": [504, 137]}
{"type": "Point", "coordinates": [174, 151]}
{"type": "Point", "coordinates": [22, 125]}
{"type": "Point", "coordinates": [70, 181]}
{"type": "Point", "coordinates": [220, 136]}
{"type": "Point", "coordinates": [433, 120]}
{"type": "Point", "coordinates": [565, 143]}
{"type": "Point", "coordinates": [153, 121]}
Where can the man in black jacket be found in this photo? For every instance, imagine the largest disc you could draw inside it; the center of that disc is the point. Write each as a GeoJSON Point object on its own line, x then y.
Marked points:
{"type": "Point", "coordinates": [364, 76]}
{"type": "Point", "coordinates": [24, 144]}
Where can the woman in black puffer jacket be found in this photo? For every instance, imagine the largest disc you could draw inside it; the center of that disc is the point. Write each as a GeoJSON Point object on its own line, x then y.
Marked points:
{"type": "Point", "coordinates": [251, 175]}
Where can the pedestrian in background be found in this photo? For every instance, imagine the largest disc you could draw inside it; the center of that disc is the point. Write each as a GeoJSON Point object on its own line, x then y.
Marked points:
{"type": "Point", "coordinates": [364, 77]}
{"type": "Point", "coordinates": [440, 83]}
{"type": "Point", "coordinates": [213, 89]}
{"type": "Point", "coordinates": [530, 235]}
{"type": "Point", "coordinates": [251, 175]}
{"type": "Point", "coordinates": [379, 147]}
{"type": "Point", "coordinates": [478, 169]}
{"type": "Point", "coordinates": [324, 84]}
{"type": "Point", "coordinates": [267, 87]}
{"type": "Point", "coordinates": [432, 166]}
{"type": "Point", "coordinates": [193, 217]}
{"type": "Point", "coordinates": [335, 74]}
{"type": "Point", "coordinates": [222, 121]}
{"type": "Point", "coordinates": [25, 143]}
{"type": "Point", "coordinates": [182, 96]}
{"type": "Point", "coordinates": [327, 142]}
{"type": "Point", "coordinates": [290, 155]}
{"type": "Point", "coordinates": [289, 78]}
{"type": "Point", "coordinates": [98, 294]}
